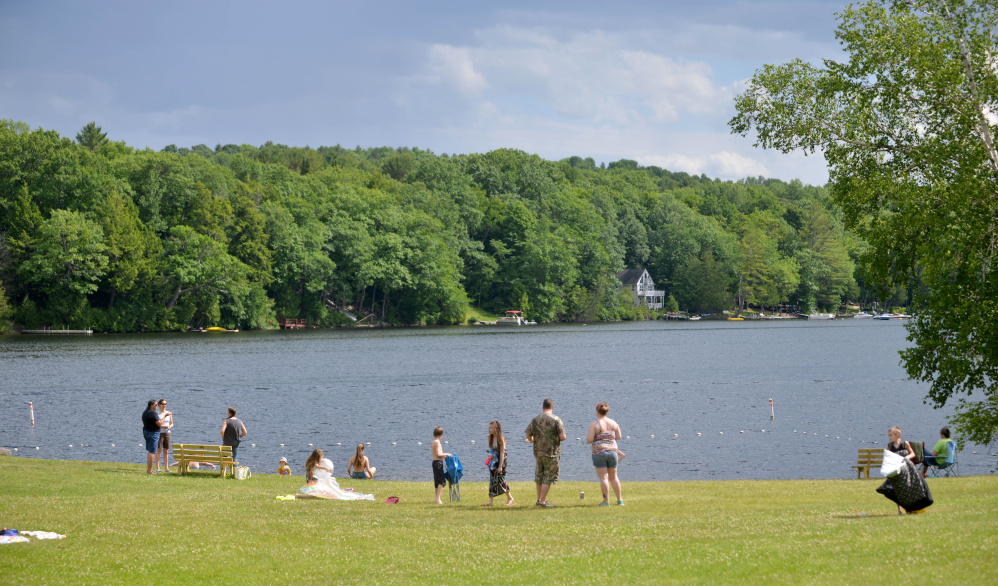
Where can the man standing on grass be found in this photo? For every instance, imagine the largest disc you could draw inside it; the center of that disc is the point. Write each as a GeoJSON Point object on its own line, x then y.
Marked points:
{"type": "Point", "coordinates": [546, 432]}
{"type": "Point", "coordinates": [151, 422]}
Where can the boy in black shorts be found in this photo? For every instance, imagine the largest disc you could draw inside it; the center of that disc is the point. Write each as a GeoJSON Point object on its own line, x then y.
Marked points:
{"type": "Point", "coordinates": [438, 462]}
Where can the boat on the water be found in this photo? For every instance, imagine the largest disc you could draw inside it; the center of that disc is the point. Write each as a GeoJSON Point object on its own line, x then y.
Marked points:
{"type": "Point", "coordinates": [694, 318]}
{"type": "Point", "coordinates": [218, 329]}
{"type": "Point", "coordinates": [811, 316]}
{"type": "Point", "coordinates": [514, 317]}
{"type": "Point", "coordinates": [889, 316]}
{"type": "Point", "coordinates": [862, 315]}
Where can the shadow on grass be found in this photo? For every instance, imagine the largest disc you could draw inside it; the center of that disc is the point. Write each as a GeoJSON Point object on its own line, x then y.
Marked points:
{"type": "Point", "coordinates": [861, 516]}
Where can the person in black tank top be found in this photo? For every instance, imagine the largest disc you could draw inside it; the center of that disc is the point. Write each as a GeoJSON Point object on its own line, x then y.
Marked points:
{"type": "Point", "coordinates": [233, 431]}
{"type": "Point", "coordinates": [901, 448]}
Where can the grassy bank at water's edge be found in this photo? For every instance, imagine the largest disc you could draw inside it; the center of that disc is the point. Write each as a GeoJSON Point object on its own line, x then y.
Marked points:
{"type": "Point", "coordinates": [125, 526]}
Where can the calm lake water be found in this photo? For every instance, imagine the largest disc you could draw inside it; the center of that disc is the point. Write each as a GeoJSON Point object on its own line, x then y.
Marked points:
{"type": "Point", "coordinates": [693, 397]}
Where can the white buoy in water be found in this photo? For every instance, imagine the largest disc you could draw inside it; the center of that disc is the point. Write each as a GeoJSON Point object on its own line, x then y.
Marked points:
{"type": "Point", "coordinates": [815, 435]}
{"type": "Point", "coordinates": [578, 439]}
{"type": "Point", "coordinates": [837, 437]}
{"type": "Point", "coordinates": [70, 445]}
{"type": "Point", "coordinates": [472, 441]}
{"type": "Point", "coordinates": [15, 449]}
{"type": "Point", "coordinates": [393, 443]}
{"type": "Point", "coordinates": [722, 433]}
{"type": "Point", "coordinates": [742, 431]}
{"type": "Point", "coordinates": [310, 445]}
{"type": "Point", "coordinates": [698, 434]}
{"type": "Point", "coordinates": [282, 445]}
{"type": "Point", "coordinates": [826, 435]}
{"type": "Point", "coordinates": [339, 444]}
{"type": "Point", "coordinates": [446, 442]}
{"type": "Point", "coordinates": [419, 443]}
{"type": "Point", "coordinates": [252, 445]}
{"type": "Point", "coordinates": [36, 447]}
{"type": "Point", "coordinates": [675, 435]}
{"type": "Point", "coordinates": [653, 437]}
{"type": "Point", "coordinates": [628, 437]}
{"type": "Point", "coordinates": [368, 443]}
{"type": "Point", "coordinates": [112, 445]}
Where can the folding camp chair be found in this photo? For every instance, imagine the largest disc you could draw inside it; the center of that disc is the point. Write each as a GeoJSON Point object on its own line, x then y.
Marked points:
{"type": "Point", "coordinates": [453, 473]}
{"type": "Point", "coordinates": [947, 468]}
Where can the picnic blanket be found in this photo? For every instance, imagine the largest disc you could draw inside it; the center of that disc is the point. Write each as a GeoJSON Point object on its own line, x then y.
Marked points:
{"type": "Point", "coordinates": [907, 488]}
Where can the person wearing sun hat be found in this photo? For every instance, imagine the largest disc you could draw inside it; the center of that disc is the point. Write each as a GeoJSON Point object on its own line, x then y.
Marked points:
{"type": "Point", "coordinates": [282, 467]}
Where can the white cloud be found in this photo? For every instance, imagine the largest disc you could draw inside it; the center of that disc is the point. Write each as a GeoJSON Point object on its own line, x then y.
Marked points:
{"type": "Point", "coordinates": [729, 164]}
{"type": "Point", "coordinates": [455, 65]}
{"type": "Point", "coordinates": [588, 76]}
{"type": "Point", "coordinates": [588, 94]}
{"type": "Point", "coordinates": [675, 162]}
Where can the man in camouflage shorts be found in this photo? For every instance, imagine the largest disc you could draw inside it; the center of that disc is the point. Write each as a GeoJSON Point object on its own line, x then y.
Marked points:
{"type": "Point", "coordinates": [546, 432]}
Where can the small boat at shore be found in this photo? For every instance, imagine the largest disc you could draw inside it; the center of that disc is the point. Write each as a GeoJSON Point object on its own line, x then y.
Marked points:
{"type": "Point", "coordinates": [811, 316]}
{"type": "Point", "coordinates": [514, 317]}
{"type": "Point", "coordinates": [890, 316]}
{"type": "Point", "coordinates": [862, 315]}
{"type": "Point", "coordinates": [218, 329]}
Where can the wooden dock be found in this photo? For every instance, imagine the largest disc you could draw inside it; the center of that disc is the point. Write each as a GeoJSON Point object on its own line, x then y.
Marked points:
{"type": "Point", "coordinates": [54, 332]}
{"type": "Point", "coordinates": [293, 324]}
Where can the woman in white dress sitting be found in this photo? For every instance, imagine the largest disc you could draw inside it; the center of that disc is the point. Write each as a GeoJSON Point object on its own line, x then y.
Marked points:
{"type": "Point", "coordinates": [321, 484]}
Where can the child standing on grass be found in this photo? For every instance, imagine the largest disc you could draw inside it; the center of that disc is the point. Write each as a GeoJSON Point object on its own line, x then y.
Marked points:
{"type": "Point", "coordinates": [282, 467]}
{"type": "Point", "coordinates": [439, 480]}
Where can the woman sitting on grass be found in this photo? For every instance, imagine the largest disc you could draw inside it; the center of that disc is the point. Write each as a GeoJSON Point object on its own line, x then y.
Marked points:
{"type": "Point", "coordinates": [322, 484]}
{"type": "Point", "coordinates": [360, 467]}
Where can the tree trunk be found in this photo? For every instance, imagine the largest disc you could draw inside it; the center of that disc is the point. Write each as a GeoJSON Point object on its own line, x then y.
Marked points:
{"type": "Point", "coordinates": [176, 295]}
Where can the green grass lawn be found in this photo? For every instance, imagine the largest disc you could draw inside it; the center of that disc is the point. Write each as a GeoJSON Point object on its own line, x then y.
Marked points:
{"type": "Point", "coordinates": [125, 526]}
{"type": "Point", "coordinates": [479, 314]}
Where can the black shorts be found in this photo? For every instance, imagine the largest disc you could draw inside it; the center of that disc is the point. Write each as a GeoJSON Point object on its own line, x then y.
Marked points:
{"type": "Point", "coordinates": [438, 473]}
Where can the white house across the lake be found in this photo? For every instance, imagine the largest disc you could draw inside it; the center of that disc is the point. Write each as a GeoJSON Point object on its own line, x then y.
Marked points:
{"type": "Point", "coordinates": [640, 284]}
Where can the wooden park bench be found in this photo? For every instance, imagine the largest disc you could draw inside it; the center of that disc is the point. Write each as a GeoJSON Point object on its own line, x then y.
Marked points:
{"type": "Point", "coordinates": [186, 454]}
{"type": "Point", "coordinates": [868, 458]}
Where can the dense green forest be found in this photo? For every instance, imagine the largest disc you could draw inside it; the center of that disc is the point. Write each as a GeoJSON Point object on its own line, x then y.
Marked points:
{"type": "Point", "coordinates": [94, 233]}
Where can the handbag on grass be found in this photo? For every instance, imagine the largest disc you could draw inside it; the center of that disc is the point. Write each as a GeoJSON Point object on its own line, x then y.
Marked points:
{"type": "Point", "coordinates": [242, 472]}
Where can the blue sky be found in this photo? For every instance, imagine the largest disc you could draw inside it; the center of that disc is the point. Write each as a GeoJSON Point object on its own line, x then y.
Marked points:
{"type": "Point", "coordinates": [650, 81]}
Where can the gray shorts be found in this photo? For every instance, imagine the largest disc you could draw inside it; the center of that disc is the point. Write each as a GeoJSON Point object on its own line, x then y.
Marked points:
{"type": "Point", "coordinates": [605, 460]}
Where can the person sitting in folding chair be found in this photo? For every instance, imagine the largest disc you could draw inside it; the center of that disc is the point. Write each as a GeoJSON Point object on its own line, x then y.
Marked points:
{"type": "Point", "coordinates": [942, 458]}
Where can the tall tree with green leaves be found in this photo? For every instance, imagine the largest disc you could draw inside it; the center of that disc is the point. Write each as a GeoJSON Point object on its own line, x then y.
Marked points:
{"type": "Point", "coordinates": [68, 256]}
{"type": "Point", "coordinates": [91, 136]}
{"type": "Point", "coordinates": [907, 125]}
